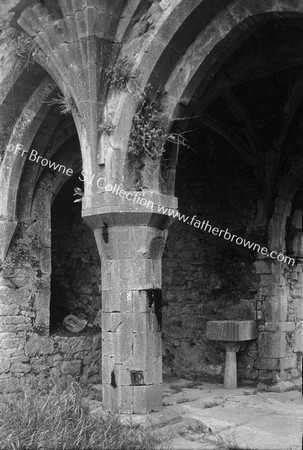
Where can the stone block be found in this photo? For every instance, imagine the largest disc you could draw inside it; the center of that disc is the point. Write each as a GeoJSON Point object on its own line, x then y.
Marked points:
{"type": "Point", "coordinates": [106, 321]}
{"type": "Point", "coordinates": [272, 345]}
{"type": "Point", "coordinates": [274, 290]}
{"type": "Point", "coordinates": [143, 344]}
{"type": "Point", "coordinates": [118, 345]}
{"type": "Point", "coordinates": [114, 243]}
{"type": "Point", "coordinates": [11, 343]}
{"type": "Point", "coordinates": [16, 328]}
{"type": "Point", "coordinates": [275, 309]}
{"type": "Point", "coordinates": [12, 352]}
{"type": "Point", "coordinates": [122, 375]}
{"type": "Point", "coordinates": [4, 365]}
{"type": "Point", "coordinates": [45, 260]}
{"type": "Point", "coordinates": [158, 344]}
{"type": "Point", "coordinates": [147, 242]}
{"type": "Point", "coordinates": [14, 320]}
{"type": "Point", "coordinates": [106, 278]}
{"type": "Point", "coordinates": [279, 326]}
{"type": "Point", "coordinates": [126, 301]}
{"type": "Point", "coordinates": [20, 368]}
{"type": "Point", "coordinates": [141, 323]}
{"type": "Point", "coordinates": [141, 274]}
{"type": "Point", "coordinates": [39, 345]}
{"type": "Point", "coordinates": [289, 362]}
{"type": "Point", "coordinates": [263, 266]}
{"type": "Point", "coordinates": [298, 305]}
{"type": "Point", "coordinates": [297, 292]}
{"type": "Point", "coordinates": [154, 374]}
{"type": "Point", "coordinates": [140, 301]}
{"type": "Point", "coordinates": [124, 322]}
{"type": "Point", "coordinates": [9, 310]}
{"type": "Point", "coordinates": [157, 273]}
{"type": "Point", "coordinates": [147, 399]}
{"type": "Point", "coordinates": [106, 304]}
{"type": "Point", "coordinates": [119, 399]}
{"type": "Point", "coordinates": [108, 363]}
{"type": "Point", "coordinates": [119, 287]}
{"type": "Point", "coordinates": [267, 280]}
{"type": "Point", "coordinates": [96, 345]}
{"type": "Point", "coordinates": [118, 300]}
{"type": "Point", "coordinates": [298, 347]}
{"type": "Point", "coordinates": [267, 363]}
{"type": "Point", "coordinates": [107, 344]}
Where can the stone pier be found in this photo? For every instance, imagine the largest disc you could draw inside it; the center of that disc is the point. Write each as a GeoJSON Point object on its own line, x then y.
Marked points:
{"type": "Point", "coordinates": [131, 259]}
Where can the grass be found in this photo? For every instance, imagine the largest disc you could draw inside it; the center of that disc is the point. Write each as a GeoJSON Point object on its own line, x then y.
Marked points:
{"type": "Point", "coordinates": [59, 419]}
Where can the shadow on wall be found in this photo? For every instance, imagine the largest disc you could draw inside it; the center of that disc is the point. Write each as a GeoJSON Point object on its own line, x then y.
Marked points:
{"type": "Point", "coordinates": [204, 276]}
{"type": "Point", "coordinates": [76, 268]}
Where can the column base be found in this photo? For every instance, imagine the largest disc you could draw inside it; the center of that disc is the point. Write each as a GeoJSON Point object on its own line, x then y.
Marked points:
{"type": "Point", "coordinates": [132, 399]}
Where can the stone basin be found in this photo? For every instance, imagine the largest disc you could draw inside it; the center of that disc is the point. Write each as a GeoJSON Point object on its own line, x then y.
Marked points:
{"type": "Point", "coordinates": [232, 333]}
{"type": "Point", "coordinates": [231, 330]}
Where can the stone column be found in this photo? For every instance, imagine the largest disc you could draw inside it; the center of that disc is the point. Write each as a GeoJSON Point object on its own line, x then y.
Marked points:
{"type": "Point", "coordinates": [131, 317]}
{"type": "Point", "coordinates": [131, 241]}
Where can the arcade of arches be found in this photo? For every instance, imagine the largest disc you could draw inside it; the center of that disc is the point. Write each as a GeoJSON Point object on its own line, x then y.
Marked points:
{"type": "Point", "coordinates": [226, 76]}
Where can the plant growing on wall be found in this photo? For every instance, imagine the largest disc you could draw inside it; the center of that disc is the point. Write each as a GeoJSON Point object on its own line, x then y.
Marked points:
{"type": "Point", "coordinates": [25, 47]}
{"type": "Point", "coordinates": [148, 134]}
{"type": "Point", "coordinates": [107, 126]}
{"type": "Point", "coordinates": [119, 75]}
{"type": "Point", "coordinates": [66, 104]}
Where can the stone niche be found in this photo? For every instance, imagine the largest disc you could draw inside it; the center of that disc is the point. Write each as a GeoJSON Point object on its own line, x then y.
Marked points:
{"type": "Point", "coordinates": [76, 276]}
{"type": "Point", "coordinates": [75, 289]}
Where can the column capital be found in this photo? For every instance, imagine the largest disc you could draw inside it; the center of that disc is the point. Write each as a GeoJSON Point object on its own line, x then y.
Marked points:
{"type": "Point", "coordinates": [128, 208]}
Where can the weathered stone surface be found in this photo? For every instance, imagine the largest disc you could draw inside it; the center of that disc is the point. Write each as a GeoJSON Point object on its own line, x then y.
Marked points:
{"type": "Point", "coordinates": [298, 304]}
{"type": "Point", "coordinates": [275, 308]}
{"type": "Point", "coordinates": [38, 345]}
{"type": "Point", "coordinates": [4, 365]}
{"type": "Point", "coordinates": [289, 362]}
{"type": "Point", "coordinates": [230, 330]}
{"type": "Point", "coordinates": [71, 368]}
{"type": "Point", "coordinates": [267, 363]}
{"type": "Point", "coordinates": [20, 368]}
{"type": "Point", "coordinates": [147, 398]}
{"type": "Point", "coordinates": [118, 399]}
{"type": "Point", "coordinates": [299, 338]}
{"type": "Point", "coordinates": [273, 344]}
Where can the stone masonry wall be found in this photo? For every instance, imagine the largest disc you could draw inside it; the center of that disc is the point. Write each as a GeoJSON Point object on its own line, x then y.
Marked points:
{"type": "Point", "coordinates": [42, 357]}
{"type": "Point", "coordinates": [204, 276]}
{"type": "Point", "coordinates": [27, 348]}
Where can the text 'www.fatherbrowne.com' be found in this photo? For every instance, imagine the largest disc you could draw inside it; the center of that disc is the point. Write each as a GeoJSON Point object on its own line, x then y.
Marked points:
{"type": "Point", "coordinates": [138, 199]}
{"type": "Point", "coordinates": [205, 226]}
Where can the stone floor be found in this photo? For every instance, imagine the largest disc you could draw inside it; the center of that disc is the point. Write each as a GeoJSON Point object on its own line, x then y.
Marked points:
{"type": "Point", "coordinates": [206, 416]}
